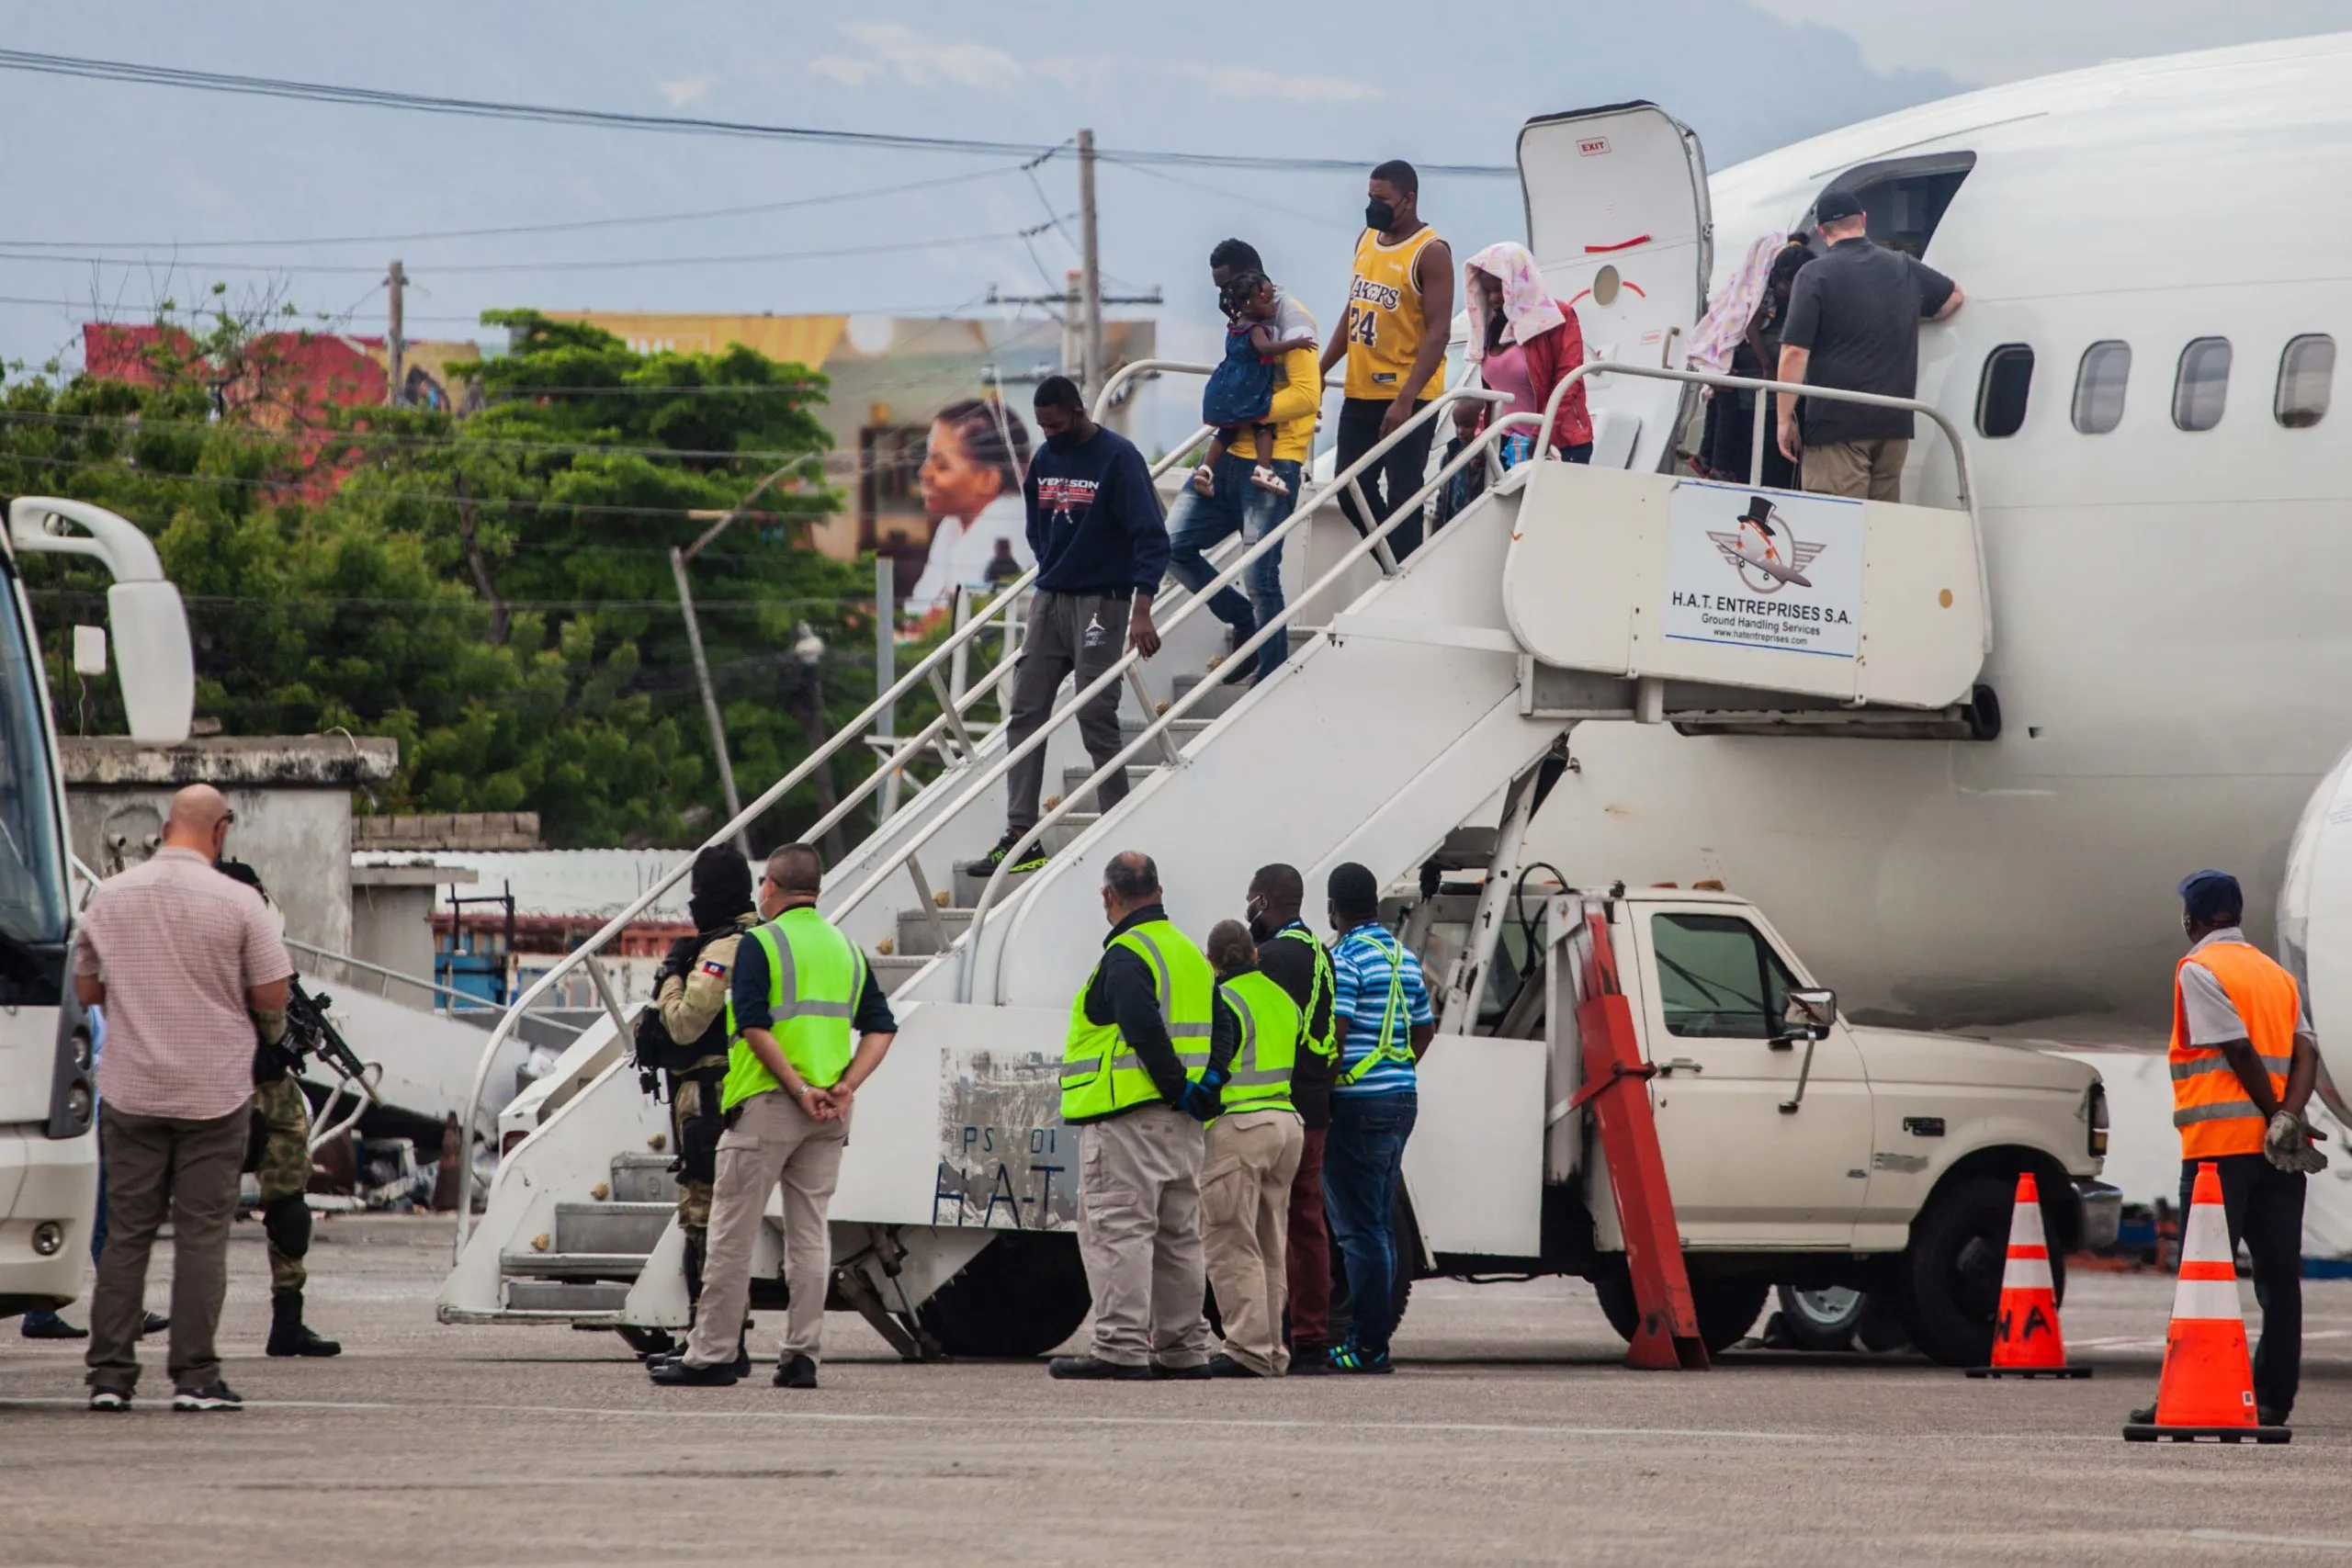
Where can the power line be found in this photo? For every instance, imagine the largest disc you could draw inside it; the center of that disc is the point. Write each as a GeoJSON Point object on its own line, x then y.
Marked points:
{"type": "Point", "coordinates": [947, 242]}
{"type": "Point", "coordinates": [567, 227]}
{"type": "Point", "coordinates": [686, 125]}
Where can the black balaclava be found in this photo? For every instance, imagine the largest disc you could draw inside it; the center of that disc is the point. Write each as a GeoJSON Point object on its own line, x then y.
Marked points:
{"type": "Point", "coordinates": [722, 888]}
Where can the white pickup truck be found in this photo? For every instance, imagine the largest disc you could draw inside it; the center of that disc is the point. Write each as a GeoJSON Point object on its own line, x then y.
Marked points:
{"type": "Point", "coordinates": [1868, 1172]}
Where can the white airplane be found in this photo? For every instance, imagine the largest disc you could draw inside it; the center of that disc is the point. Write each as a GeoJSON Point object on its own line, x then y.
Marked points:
{"type": "Point", "coordinates": [2158, 265]}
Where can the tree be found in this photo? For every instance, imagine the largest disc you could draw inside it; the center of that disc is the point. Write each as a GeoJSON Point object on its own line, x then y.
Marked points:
{"type": "Point", "coordinates": [495, 593]}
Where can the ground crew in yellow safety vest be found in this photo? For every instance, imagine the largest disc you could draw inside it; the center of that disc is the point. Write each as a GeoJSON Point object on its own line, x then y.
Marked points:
{"type": "Point", "coordinates": [1138, 1080]}
{"type": "Point", "coordinates": [807, 1024]}
{"type": "Point", "coordinates": [2243, 1063]}
{"type": "Point", "coordinates": [1253, 1150]}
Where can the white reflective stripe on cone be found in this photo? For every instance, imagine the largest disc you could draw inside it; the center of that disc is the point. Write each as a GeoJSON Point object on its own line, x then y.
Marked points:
{"type": "Point", "coordinates": [2207, 1299]}
{"type": "Point", "coordinates": [2025, 1226]}
{"type": "Point", "coordinates": [2028, 1274]}
{"type": "Point", "coordinates": [2206, 1237]}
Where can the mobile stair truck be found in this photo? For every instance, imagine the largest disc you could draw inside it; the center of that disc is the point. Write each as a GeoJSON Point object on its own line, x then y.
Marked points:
{"type": "Point", "coordinates": [1815, 1155]}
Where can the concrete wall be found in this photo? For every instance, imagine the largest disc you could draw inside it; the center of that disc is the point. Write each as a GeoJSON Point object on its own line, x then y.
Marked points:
{"type": "Point", "coordinates": [291, 794]}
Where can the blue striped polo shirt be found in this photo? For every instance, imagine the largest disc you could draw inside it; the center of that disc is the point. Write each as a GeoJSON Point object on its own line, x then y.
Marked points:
{"type": "Point", "coordinates": [1361, 965]}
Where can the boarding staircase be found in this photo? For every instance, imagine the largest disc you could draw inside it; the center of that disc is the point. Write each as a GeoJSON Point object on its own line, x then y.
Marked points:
{"type": "Point", "coordinates": [1423, 712]}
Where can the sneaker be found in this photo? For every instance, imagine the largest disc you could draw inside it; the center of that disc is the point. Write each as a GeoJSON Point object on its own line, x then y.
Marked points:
{"type": "Point", "coordinates": [49, 1326]}
{"type": "Point", "coordinates": [676, 1373]}
{"type": "Point", "coordinates": [1033, 859]}
{"type": "Point", "coordinates": [1193, 1373]}
{"type": "Point", "coordinates": [111, 1399]}
{"type": "Point", "coordinates": [1310, 1360]}
{"type": "Point", "coordinates": [796, 1372]}
{"type": "Point", "coordinates": [1225, 1366]}
{"type": "Point", "coordinates": [1093, 1369]}
{"type": "Point", "coordinates": [1348, 1359]}
{"type": "Point", "coordinates": [214, 1395]}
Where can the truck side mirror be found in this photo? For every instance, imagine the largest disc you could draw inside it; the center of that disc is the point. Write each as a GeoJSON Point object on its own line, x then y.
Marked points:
{"type": "Point", "coordinates": [1808, 1015]}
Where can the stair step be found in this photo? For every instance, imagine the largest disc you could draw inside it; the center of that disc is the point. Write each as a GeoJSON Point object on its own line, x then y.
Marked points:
{"type": "Point", "coordinates": [968, 885]}
{"type": "Point", "coordinates": [565, 1295]}
{"type": "Point", "coordinates": [1075, 777]}
{"type": "Point", "coordinates": [1064, 833]}
{"type": "Point", "coordinates": [893, 969]}
{"type": "Point", "coordinates": [1129, 727]}
{"type": "Point", "coordinates": [644, 1179]}
{"type": "Point", "coordinates": [916, 936]}
{"type": "Point", "coordinates": [530, 1265]}
{"type": "Point", "coordinates": [610, 1227]}
{"type": "Point", "coordinates": [1220, 698]}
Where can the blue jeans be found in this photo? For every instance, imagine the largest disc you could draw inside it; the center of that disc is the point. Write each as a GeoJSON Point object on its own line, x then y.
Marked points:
{"type": "Point", "coordinates": [1200, 521]}
{"type": "Point", "coordinates": [1363, 1160]}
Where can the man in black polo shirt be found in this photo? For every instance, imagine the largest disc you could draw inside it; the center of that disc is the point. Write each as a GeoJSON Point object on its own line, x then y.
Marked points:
{"type": "Point", "coordinates": [1101, 543]}
{"type": "Point", "coordinates": [1853, 324]}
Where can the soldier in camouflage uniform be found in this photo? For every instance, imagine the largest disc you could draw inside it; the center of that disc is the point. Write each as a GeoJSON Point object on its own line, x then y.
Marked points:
{"type": "Point", "coordinates": [689, 1044]}
{"type": "Point", "coordinates": [279, 1157]}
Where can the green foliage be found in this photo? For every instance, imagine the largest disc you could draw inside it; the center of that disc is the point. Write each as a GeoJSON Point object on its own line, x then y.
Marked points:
{"type": "Point", "coordinates": [494, 593]}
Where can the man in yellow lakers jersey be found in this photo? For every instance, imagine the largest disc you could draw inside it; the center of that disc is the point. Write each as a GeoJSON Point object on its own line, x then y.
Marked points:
{"type": "Point", "coordinates": [1393, 331]}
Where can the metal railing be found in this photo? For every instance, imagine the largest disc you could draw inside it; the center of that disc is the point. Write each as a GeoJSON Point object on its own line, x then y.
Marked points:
{"type": "Point", "coordinates": [1348, 480]}
{"type": "Point", "coordinates": [1756, 444]}
{"type": "Point", "coordinates": [928, 670]}
{"type": "Point", "coordinates": [1374, 543]}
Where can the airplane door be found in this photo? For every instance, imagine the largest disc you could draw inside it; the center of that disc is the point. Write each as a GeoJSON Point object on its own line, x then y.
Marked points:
{"type": "Point", "coordinates": [1617, 217]}
{"type": "Point", "coordinates": [1742, 1171]}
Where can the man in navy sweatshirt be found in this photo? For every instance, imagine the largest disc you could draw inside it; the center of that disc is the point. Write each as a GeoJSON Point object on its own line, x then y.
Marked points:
{"type": "Point", "coordinates": [1102, 546]}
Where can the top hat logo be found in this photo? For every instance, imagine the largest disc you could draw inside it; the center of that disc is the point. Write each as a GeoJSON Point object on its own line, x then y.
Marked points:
{"type": "Point", "coordinates": [1765, 550]}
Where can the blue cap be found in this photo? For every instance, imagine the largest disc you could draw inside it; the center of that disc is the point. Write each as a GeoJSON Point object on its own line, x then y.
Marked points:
{"type": "Point", "coordinates": [2209, 895]}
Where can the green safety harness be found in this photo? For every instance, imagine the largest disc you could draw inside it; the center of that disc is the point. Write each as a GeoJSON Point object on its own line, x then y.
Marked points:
{"type": "Point", "coordinates": [1389, 1048]}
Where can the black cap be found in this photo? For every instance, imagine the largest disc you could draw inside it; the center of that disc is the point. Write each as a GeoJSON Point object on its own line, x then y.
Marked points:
{"type": "Point", "coordinates": [1837, 204]}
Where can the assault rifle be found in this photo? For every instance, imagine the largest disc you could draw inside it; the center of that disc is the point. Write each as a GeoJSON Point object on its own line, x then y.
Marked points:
{"type": "Point", "coordinates": [310, 1032]}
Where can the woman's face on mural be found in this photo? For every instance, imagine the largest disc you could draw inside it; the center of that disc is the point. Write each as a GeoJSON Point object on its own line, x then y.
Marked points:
{"type": "Point", "coordinates": [954, 485]}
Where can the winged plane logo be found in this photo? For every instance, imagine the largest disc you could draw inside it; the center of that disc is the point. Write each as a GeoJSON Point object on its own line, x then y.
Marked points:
{"type": "Point", "coordinates": [1765, 550]}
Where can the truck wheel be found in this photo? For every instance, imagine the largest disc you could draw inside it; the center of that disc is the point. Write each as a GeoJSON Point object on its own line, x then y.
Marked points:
{"type": "Point", "coordinates": [1021, 1295]}
{"type": "Point", "coordinates": [1952, 1270]}
{"type": "Point", "coordinates": [1823, 1320]}
{"type": "Point", "coordinates": [1727, 1309]}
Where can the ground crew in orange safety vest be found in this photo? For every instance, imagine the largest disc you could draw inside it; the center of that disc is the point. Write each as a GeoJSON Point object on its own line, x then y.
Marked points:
{"type": "Point", "coordinates": [2243, 1063]}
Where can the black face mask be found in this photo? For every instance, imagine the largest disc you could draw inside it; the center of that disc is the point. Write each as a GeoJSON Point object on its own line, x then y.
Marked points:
{"type": "Point", "coordinates": [1378, 214]}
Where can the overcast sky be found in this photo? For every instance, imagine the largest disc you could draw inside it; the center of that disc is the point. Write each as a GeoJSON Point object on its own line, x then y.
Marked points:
{"type": "Point", "coordinates": [166, 169]}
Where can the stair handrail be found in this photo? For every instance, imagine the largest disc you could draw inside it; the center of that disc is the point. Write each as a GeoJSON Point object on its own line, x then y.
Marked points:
{"type": "Point", "coordinates": [1127, 660]}
{"type": "Point", "coordinates": [847, 735]}
{"type": "Point", "coordinates": [1478, 449]}
{"type": "Point", "coordinates": [1801, 390]}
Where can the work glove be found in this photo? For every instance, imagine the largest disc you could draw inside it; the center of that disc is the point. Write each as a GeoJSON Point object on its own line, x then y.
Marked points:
{"type": "Point", "coordinates": [2289, 1144]}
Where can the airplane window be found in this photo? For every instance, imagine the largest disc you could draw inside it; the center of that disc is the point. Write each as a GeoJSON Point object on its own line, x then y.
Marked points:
{"type": "Point", "coordinates": [2099, 386]}
{"type": "Point", "coordinates": [2306, 374]}
{"type": "Point", "coordinates": [2202, 384]}
{"type": "Point", "coordinates": [2001, 395]}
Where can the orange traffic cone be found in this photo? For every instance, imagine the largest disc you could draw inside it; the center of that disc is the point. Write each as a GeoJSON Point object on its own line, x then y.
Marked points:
{"type": "Point", "coordinates": [2027, 1341]}
{"type": "Point", "coordinates": [2207, 1390]}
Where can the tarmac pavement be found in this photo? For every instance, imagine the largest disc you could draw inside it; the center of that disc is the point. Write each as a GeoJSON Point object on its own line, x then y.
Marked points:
{"type": "Point", "coordinates": [1509, 1433]}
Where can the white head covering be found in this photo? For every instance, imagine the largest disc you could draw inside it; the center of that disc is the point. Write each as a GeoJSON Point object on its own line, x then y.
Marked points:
{"type": "Point", "coordinates": [1734, 306]}
{"type": "Point", "coordinates": [1529, 309]}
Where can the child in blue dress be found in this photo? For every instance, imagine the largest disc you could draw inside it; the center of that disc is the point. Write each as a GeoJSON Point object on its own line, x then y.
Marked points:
{"type": "Point", "coordinates": [1241, 388]}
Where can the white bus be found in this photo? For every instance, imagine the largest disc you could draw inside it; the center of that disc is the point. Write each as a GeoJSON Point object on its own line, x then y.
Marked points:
{"type": "Point", "coordinates": [49, 1153]}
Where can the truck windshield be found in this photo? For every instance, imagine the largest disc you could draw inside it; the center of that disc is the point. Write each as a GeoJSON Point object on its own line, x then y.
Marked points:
{"type": "Point", "coordinates": [33, 893]}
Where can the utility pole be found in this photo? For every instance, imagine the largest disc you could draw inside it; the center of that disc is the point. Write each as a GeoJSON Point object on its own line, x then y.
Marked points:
{"type": "Point", "coordinates": [395, 339]}
{"type": "Point", "coordinates": [1091, 262]}
{"type": "Point", "coordinates": [678, 559]}
{"type": "Point", "coordinates": [1073, 304]}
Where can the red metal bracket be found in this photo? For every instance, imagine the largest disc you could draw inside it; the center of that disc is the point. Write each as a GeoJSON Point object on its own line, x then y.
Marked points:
{"type": "Point", "coordinates": [1667, 1335]}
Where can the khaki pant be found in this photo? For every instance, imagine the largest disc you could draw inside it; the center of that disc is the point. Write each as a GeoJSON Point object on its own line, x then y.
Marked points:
{"type": "Point", "coordinates": [1245, 1221]}
{"type": "Point", "coordinates": [160, 1166]}
{"type": "Point", "coordinates": [1139, 1235]}
{"type": "Point", "coordinates": [1867, 470]}
{"type": "Point", "coordinates": [772, 1140]}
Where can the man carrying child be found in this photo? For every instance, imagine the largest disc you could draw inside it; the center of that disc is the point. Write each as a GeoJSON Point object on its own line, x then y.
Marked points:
{"type": "Point", "coordinates": [1251, 483]}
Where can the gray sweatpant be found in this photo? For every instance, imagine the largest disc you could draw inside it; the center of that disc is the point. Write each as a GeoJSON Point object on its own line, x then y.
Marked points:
{"type": "Point", "coordinates": [1139, 1234]}
{"type": "Point", "coordinates": [1084, 633]}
